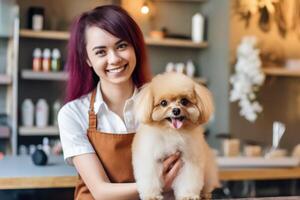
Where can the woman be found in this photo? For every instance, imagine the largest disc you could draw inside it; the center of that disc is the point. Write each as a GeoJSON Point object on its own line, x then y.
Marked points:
{"type": "Point", "coordinates": [107, 63]}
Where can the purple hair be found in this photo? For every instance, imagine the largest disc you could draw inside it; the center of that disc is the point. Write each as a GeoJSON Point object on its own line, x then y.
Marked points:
{"type": "Point", "coordinates": [116, 21]}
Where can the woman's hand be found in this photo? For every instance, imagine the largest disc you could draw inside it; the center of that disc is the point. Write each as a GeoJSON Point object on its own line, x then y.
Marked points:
{"type": "Point", "coordinates": [171, 167]}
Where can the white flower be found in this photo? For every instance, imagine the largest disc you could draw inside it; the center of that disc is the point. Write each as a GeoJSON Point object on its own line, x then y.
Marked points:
{"type": "Point", "coordinates": [247, 79]}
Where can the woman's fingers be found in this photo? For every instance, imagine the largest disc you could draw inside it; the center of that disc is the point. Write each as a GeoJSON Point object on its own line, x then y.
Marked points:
{"type": "Point", "coordinates": [169, 162]}
{"type": "Point", "coordinates": [170, 175]}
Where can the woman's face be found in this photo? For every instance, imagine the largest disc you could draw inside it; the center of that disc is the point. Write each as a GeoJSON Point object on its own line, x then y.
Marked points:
{"type": "Point", "coordinates": [112, 58]}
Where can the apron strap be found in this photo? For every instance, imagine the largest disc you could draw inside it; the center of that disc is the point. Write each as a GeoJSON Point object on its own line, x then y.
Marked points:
{"type": "Point", "coordinates": [92, 115]}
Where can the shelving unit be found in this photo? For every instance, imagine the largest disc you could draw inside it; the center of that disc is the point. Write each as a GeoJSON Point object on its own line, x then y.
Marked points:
{"type": "Point", "coordinates": [36, 131]}
{"type": "Point", "coordinates": [61, 35]}
{"type": "Point", "coordinates": [281, 71]}
{"type": "Point", "coordinates": [5, 79]}
{"type": "Point", "coordinates": [50, 76]}
{"type": "Point", "coordinates": [9, 79]}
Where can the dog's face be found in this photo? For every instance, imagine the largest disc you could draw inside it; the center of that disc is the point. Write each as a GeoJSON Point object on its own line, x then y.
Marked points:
{"type": "Point", "coordinates": [173, 100]}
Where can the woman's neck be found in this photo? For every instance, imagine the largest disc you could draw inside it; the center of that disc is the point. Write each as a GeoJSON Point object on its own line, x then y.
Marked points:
{"type": "Point", "coordinates": [115, 95]}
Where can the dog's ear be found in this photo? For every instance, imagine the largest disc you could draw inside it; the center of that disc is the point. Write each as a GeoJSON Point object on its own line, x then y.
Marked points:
{"type": "Point", "coordinates": [204, 102]}
{"type": "Point", "coordinates": [143, 105]}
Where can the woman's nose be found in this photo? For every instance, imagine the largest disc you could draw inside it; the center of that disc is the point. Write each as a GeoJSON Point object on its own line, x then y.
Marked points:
{"type": "Point", "coordinates": [114, 58]}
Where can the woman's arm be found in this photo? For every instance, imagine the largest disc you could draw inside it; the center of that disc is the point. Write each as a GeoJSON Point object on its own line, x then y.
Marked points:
{"type": "Point", "coordinates": [91, 171]}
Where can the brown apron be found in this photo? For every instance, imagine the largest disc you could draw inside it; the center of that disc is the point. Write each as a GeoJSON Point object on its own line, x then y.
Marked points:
{"type": "Point", "coordinates": [114, 152]}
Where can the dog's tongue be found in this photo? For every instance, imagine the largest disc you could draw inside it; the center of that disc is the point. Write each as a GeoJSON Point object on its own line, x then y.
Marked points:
{"type": "Point", "coordinates": [176, 123]}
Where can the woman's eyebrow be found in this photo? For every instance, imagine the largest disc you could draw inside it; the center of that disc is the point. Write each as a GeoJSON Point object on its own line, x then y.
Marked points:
{"type": "Point", "coordinates": [102, 47]}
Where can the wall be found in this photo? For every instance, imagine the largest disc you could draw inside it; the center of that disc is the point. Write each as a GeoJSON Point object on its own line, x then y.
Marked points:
{"type": "Point", "coordinates": [280, 96]}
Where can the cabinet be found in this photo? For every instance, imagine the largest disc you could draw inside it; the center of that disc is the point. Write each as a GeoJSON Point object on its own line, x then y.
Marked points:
{"type": "Point", "coordinates": [9, 36]}
{"type": "Point", "coordinates": [39, 85]}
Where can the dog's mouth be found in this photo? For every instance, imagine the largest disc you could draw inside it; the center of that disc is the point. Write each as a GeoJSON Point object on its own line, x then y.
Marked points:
{"type": "Point", "coordinates": [176, 122]}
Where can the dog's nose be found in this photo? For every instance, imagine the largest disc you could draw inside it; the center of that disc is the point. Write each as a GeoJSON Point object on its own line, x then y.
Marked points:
{"type": "Point", "coordinates": [176, 111]}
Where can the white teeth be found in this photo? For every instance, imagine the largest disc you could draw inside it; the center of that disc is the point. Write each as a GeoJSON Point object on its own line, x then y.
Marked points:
{"type": "Point", "coordinates": [116, 70]}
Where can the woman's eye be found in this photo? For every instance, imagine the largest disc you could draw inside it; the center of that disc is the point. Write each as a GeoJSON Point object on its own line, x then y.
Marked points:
{"type": "Point", "coordinates": [122, 46]}
{"type": "Point", "coordinates": [163, 103]}
{"type": "Point", "coordinates": [101, 53]}
{"type": "Point", "coordinates": [184, 102]}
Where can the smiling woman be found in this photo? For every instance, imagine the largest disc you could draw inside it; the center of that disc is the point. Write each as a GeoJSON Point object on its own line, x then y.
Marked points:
{"type": "Point", "coordinates": [112, 58]}
{"type": "Point", "coordinates": [107, 64]}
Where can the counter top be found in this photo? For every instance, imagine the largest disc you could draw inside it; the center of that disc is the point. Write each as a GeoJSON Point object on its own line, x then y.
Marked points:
{"type": "Point", "coordinates": [20, 173]}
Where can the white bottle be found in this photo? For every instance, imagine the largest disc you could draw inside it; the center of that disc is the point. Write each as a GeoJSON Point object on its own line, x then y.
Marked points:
{"type": "Point", "coordinates": [180, 68]}
{"type": "Point", "coordinates": [170, 67]}
{"type": "Point", "coordinates": [198, 28]}
{"type": "Point", "coordinates": [46, 146]}
{"type": "Point", "coordinates": [190, 68]}
{"type": "Point", "coordinates": [42, 113]}
{"type": "Point", "coordinates": [55, 108]}
{"type": "Point", "coordinates": [27, 112]}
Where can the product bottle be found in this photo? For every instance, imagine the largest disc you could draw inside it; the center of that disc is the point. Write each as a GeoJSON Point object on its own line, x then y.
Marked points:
{"type": "Point", "coordinates": [42, 113]}
{"type": "Point", "coordinates": [190, 68]}
{"type": "Point", "coordinates": [46, 146]}
{"type": "Point", "coordinates": [36, 18]}
{"type": "Point", "coordinates": [198, 28]}
{"type": "Point", "coordinates": [46, 60]}
{"type": "Point", "coordinates": [37, 59]}
{"type": "Point", "coordinates": [56, 59]}
{"type": "Point", "coordinates": [55, 108]}
{"type": "Point", "coordinates": [27, 112]}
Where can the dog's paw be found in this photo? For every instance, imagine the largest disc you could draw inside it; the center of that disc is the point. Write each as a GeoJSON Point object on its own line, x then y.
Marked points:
{"type": "Point", "coordinates": [192, 197]}
{"type": "Point", "coordinates": [153, 197]}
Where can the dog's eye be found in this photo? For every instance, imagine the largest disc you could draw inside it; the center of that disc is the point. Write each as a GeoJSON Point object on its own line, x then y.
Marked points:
{"type": "Point", "coordinates": [184, 102]}
{"type": "Point", "coordinates": [163, 103]}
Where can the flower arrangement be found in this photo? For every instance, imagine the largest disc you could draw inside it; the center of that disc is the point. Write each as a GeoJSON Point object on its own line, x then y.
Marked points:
{"type": "Point", "coordinates": [247, 79]}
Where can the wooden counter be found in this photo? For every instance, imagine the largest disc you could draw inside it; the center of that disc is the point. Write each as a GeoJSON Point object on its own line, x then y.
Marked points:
{"type": "Point", "coordinates": [20, 173]}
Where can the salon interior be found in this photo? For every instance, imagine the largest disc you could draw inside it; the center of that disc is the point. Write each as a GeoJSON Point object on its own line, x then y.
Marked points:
{"type": "Point", "coordinates": [246, 52]}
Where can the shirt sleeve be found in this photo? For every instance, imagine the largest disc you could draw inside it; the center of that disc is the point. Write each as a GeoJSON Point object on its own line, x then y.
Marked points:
{"type": "Point", "coordinates": [73, 132]}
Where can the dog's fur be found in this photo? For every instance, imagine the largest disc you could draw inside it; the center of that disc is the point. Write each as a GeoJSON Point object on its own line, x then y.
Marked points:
{"type": "Point", "coordinates": [159, 136]}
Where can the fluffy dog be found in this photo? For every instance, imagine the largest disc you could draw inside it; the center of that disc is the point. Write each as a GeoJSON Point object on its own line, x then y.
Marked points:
{"type": "Point", "coordinates": [171, 109]}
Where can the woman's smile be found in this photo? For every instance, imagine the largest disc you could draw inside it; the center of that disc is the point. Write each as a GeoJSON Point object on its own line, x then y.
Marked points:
{"type": "Point", "coordinates": [117, 70]}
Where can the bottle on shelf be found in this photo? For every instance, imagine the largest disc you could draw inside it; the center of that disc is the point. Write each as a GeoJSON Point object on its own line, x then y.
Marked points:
{"type": "Point", "coordinates": [46, 146]}
{"type": "Point", "coordinates": [198, 28]}
{"type": "Point", "coordinates": [27, 112]}
{"type": "Point", "coordinates": [42, 113]}
{"type": "Point", "coordinates": [55, 108]}
{"type": "Point", "coordinates": [56, 60]}
{"type": "Point", "coordinates": [46, 60]}
{"type": "Point", "coordinates": [37, 59]}
{"type": "Point", "coordinates": [190, 68]}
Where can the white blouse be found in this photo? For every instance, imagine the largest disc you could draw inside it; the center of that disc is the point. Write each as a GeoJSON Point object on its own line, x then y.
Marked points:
{"type": "Point", "coordinates": [73, 123]}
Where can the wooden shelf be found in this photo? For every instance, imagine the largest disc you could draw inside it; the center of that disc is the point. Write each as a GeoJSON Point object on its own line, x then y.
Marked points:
{"type": "Point", "coordinates": [36, 131]}
{"type": "Point", "coordinates": [175, 43]}
{"type": "Point", "coordinates": [5, 79]}
{"type": "Point", "coordinates": [32, 75]}
{"type": "Point", "coordinates": [281, 71]}
{"type": "Point", "coordinates": [181, 1]}
{"type": "Point", "coordinates": [62, 35]}
{"type": "Point", "coordinates": [52, 35]}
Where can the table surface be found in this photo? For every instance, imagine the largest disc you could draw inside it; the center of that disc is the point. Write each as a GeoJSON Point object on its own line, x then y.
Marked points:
{"type": "Point", "coordinates": [20, 173]}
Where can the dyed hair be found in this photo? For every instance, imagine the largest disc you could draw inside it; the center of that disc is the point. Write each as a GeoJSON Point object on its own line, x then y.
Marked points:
{"type": "Point", "coordinates": [116, 21]}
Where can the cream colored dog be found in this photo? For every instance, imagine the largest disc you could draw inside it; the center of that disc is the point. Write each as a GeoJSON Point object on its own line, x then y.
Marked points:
{"type": "Point", "coordinates": [171, 109]}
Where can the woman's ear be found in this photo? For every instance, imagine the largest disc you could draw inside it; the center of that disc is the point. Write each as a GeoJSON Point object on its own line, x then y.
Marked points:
{"type": "Point", "coordinates": [144, 104]}
{"type": "Point", "coordinates": [89, 62]}
{"type": "Point", "coordinates": [204, 102]}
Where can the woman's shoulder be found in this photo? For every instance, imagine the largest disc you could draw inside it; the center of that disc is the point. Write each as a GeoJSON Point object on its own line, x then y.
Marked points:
{"type": "Point", "coordinates": [75, 107]}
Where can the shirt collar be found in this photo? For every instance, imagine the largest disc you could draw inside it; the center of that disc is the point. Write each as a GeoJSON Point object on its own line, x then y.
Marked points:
{"type": "Point", "coordinates": [100, 103]}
